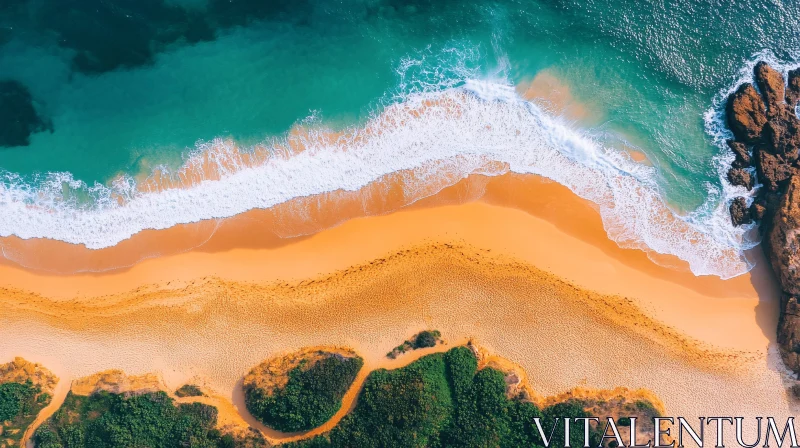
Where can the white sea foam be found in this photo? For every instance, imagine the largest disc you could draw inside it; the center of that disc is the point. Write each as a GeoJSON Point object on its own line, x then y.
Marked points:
{"type": "Point", "coordinates": [439, 136]}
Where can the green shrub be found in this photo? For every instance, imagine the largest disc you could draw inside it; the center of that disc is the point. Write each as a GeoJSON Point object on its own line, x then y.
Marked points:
{"type": "Point", "coordinates": [405, 407]}
{"type": "Point", "coordinates": [426, 339]}
{"type": "Point", "coordinates": [189, 390]}
{"type": "Point", "coordinates": [647, 408]}
{"type": "Point", "coordinates": [16, 399]}
{"type": "Point", "coordinates": [312, 395]}
{"type": "Point", "coordinates": [20, 403]}
{"type": "Point", "coordinates": [114, 420]}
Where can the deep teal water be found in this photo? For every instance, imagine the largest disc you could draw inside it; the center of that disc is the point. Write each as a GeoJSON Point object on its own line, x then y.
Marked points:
{"type": "Point", "coordinates": [133, 84]}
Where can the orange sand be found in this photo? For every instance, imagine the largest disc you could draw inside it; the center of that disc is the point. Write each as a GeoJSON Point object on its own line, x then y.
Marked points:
{"type": "Point", "coordinates": [470, 270]}
{"type": "Point", "coordinates": [538, 222]}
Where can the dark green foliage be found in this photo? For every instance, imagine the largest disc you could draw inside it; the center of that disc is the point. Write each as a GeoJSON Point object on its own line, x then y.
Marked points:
{"type": "Point", "coordinates": [18, 116]}
{"type": "Point", "coordinates": [571, 409]}
{"type": "Point", "coordinates": [426, 339]}
{"type": "Point", "coordinates": [406, 407]}
{"type": "Point", "coordinates": [19, 405]}
{"type": "Point", "coordinates": [647, 408]}
{"type": "Point", "coordinates": [114, 420]}
{"type": "Point", "coordinates": [423, 339]}
{"type": "Point", "coordinates": [189, 390]}
{"type": "Point", "coordinates": [15, 399]}
{"type": "Point", "coordinates": [443, 400]}
{"type": "Point", "coordinates": [311, 396]}
{"type": "Point", "coordinates": [623, 421]}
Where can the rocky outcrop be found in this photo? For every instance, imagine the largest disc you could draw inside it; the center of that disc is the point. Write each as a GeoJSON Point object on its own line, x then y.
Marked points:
{"type": "Point", "coordinates": [746, 114]}
{"type": "Point", "coordinates": [783, 240]}
{"type": "Point", "coordinates": [793, 89]}
{"type": "Point", "coordinates": [769, 127]}
{"type": "Point", "coordinates": [740, 213]}
{"type": "Point", "coordinates": [740, 177]}
{"type": "Point", "coordinates": [743, 159]}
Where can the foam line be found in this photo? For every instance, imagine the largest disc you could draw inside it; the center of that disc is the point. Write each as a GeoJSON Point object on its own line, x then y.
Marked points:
{"type": "Point", "coordinates": [439, 136]}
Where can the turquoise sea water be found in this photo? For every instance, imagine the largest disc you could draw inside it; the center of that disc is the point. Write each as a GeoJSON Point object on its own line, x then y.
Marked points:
{"type": "Point", "coordinates": [130, 85]}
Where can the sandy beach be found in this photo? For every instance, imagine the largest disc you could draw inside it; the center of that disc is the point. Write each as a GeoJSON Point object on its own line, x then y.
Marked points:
{"type": "Point", "coordinates": [534, 281]}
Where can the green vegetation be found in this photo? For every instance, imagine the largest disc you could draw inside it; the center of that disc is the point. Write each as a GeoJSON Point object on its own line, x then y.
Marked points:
{"type": "Point", "coordinates": [443, 400]}
{"type": "Point", "coordinates": [423, 339]}
{"type": "Point", "coordinates": [311, 396]}
{"type": "Point", "coordinates": [646, 408]}
{"type": "Point", "coordinates": [189, 390]}
{"type": "Point", "coordinates": [116, 420]}
{"type": "Point", "coordinates": [20, 403]}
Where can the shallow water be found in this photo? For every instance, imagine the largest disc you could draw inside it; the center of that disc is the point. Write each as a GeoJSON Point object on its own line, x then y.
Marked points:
{"type": "Point", "coordinates": [131, 88]}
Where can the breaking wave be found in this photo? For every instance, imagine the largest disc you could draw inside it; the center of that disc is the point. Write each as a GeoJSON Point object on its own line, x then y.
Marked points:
{"type": "Point", "coordinates": [432, 136]}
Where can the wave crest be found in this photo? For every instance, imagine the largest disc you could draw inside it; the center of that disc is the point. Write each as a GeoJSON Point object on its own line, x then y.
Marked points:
{"type": "Point", "coordinates": [437, 137]}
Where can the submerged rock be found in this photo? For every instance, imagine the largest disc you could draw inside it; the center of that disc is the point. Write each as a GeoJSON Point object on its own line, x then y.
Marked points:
{"type": "Point", "coordinates": [746, 114]}
{"type": "Point", "coordinates": [18, 117]}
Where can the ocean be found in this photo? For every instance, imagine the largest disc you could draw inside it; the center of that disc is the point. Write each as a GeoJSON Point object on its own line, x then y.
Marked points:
{"type": "Point", "coordinates": [152, 113]}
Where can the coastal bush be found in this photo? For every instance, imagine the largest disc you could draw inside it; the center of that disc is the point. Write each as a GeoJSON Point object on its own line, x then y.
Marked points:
{"type": "Point", "coordinates": [115, 420]}
{"type": "Point", "coordinates": [426, 339]}
{"type": "Point", "coordinates": [20, 403]}
{"type": "Point", "coordinates": [311, 396]}
{"type": "Point", "coordinates": [423, 339]}
{"type": "Point", "coordinates": [15, 399]}
{"type": "Point", "coordinates": [189, 390]}
{"type": "Point", "coordinates": [443, 400]}
{"type": "Point", "coordinates": [405, 407]}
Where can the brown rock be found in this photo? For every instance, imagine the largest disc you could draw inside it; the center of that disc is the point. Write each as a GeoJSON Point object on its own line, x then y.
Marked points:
{"type": "Point", "coordinates": [746, 114]}
{"type": "Point", "coordinates": [743, 159]}
{"type": "Point", "coordinates": [739, 213]}
{"type": "Point", "coordinates": [771, 84]}
{"type": "Point", "coordinates": [793, 89]}
{"type": "Point", "coordinates": [784, 239]}
{"type": "Point", "coordinates": [773, 170]}
{"type": "Point", "coordinates": [789, 332]}
{"type": "Point", "coordinates": [757, 210]}
{"type": "Point", "coordinates": [781, 134]}
{"type": "Point", "coordinates": [740, 177]}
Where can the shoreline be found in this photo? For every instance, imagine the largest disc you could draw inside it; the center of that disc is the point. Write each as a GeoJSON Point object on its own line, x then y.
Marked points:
{"type": "Point", "coordinates": [542, 224]}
